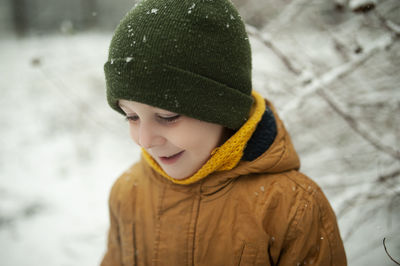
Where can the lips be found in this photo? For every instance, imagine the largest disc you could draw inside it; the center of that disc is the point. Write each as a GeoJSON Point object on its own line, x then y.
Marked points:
{"type": "Point", "coordinates": [171, 159]}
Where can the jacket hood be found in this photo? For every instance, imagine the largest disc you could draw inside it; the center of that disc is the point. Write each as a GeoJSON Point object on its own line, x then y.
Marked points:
{"type": "Point", "coordinates": [279, 157]}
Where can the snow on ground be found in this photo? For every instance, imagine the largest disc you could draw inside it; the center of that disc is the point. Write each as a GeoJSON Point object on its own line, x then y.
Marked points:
{"type": "Point", "coordinates": [62, 147]}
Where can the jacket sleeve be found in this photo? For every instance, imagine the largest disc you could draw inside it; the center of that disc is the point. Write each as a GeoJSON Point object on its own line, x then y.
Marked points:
{"type": "Point", "coordinates": [112, 256]}
{"type": "Point", "coordinates": [313, 236]}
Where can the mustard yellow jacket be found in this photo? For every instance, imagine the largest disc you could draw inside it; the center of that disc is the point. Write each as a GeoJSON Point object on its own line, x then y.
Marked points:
{"type": "Point", "coordinates": [261, 212]}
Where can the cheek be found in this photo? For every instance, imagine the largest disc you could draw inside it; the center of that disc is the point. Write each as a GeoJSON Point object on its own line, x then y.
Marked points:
{"type": "Point", "coordinates": [133, 132]}
{"type": "Point", "coordinates": [199, 138]}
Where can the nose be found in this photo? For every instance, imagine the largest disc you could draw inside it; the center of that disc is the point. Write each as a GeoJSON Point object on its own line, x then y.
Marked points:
{"type": "Point", "coordinates": [149, 136]}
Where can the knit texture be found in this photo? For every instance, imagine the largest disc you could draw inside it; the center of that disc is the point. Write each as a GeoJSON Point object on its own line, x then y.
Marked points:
{"type": "Point", "coordinates": [262, 138]}
{"type": "Point", "coordinates": [225, 157]}
{"type": "Point", "coordinates": [189, 57]}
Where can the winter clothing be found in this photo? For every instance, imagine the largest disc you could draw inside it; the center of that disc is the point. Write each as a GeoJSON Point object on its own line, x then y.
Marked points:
{"type": "Point", "coordinates": [248, 204]}
{"type": "Point", "coordinates": [189, 57]}
{"type": "Point", "coordinates": [260, 212]}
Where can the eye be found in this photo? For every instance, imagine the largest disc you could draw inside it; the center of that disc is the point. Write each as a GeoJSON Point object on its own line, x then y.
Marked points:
{"type": "Point", "coordinates": [132, 118]}
{"type": "Point", "coordinates": [169, 119]}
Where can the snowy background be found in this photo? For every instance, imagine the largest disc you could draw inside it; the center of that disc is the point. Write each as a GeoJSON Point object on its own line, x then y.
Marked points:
{"type": "Point", "coordinates": [330, 67]}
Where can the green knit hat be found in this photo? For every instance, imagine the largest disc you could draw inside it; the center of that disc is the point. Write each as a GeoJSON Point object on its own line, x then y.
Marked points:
{"type": "Point", "coordinates": [189, 57]}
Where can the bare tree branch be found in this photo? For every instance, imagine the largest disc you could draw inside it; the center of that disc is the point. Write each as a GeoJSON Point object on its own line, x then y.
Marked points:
{"type": "Point", "coordinates": [387, 253]}
{"type": "Point", "coordinates": [357, 128]}
{"type": "Point", "coordinates": [340, 4]}
{"type": "Point", "coordinates": [358, 223]}
{"type": "Point", "coordinates": [252, 31]}
{"type": "Point", "coordinates": [60, 87]}
{"type": "Point", "coordinates": [389, 176]}
{"type": "Point", "coordinates": [362, 6]}
{"type": "Point", "coordinates": [389, 25]}
{"type": "Point", "coordinates": [327, 78]}
{"type": "Point", "coordinates": [349, 203]}
{"type": "Point", "coordinates": [317, 84]}
{"type": "Point", "coordinates": [362, 201]}
{"type": "Point", "coordinates": [292, 9]}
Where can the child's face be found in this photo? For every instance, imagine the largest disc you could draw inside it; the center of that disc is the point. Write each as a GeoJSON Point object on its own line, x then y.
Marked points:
{"type": "Point", "coordinates": [179, 144]}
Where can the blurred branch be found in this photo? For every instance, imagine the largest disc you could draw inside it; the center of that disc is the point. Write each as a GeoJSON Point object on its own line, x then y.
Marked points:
{"type": "Point", "coordinates": [387, 253]}
{"type": "Point", "coordinates": [389, 25]}
{"type": "Point", "coordinates": [385, 178]}
{"type": "Point", "coordinates": [340, 48]}
{"type": "Point", "coordinates": [252, 31]}
{"type": "Point", "coordinates": [362, 219]}
{"type": "Point", "coordinates": [362, 6]}
{"type": "Point", "coordinates": [363, 201]}
{"type": "Point", "coordinates": [65, 91]}
{"type": "Point", "coordinates": [318, 83]}
{"type": "Point", "coordinates": [391, 186]}
{"type": "Point", "coordinates": [348, 204]}
{"type": "Point", "coordinates": [361, 197]}
{"type": "Point", "coordinates": [342, 185]}
{"type": "Point", "coordinates": [357, 128]}
{"type": "Point", "coordinates": [391, 206]}
{"type": "Point", "coordinates": [291, 11]}
{"type": "Point", "coordinates": [340, 4]}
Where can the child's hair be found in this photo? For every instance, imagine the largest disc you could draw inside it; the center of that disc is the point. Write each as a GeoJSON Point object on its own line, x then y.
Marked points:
{"type": "Point", "coordinates": [190, 57]}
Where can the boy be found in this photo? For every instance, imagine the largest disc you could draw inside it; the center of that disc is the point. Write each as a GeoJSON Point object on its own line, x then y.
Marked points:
{"type": "Point", "coordinates": [218, 182]}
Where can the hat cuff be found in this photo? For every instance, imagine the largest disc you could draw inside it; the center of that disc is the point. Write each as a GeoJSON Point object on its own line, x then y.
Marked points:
{"type": "Point", "coordinates": [176, 90]}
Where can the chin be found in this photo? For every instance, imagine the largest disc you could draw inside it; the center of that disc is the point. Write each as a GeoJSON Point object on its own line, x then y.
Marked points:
{"type": "Point", "coordinates": [178, 176]}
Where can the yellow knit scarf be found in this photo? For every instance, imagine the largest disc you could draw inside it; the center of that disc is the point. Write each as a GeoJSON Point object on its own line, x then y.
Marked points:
{"type": "Point", "coordinates": [226, 156]}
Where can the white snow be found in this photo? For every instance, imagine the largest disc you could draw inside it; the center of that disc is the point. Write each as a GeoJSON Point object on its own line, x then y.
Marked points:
{"type": "Point", "coordinates": [191, 8]}
{"type": "Point", "coordinates": [356, 4]}
{"type": "Point", "coordinates": [62, 146]}
{"type": "Point", "coordinates": [61, 149]}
